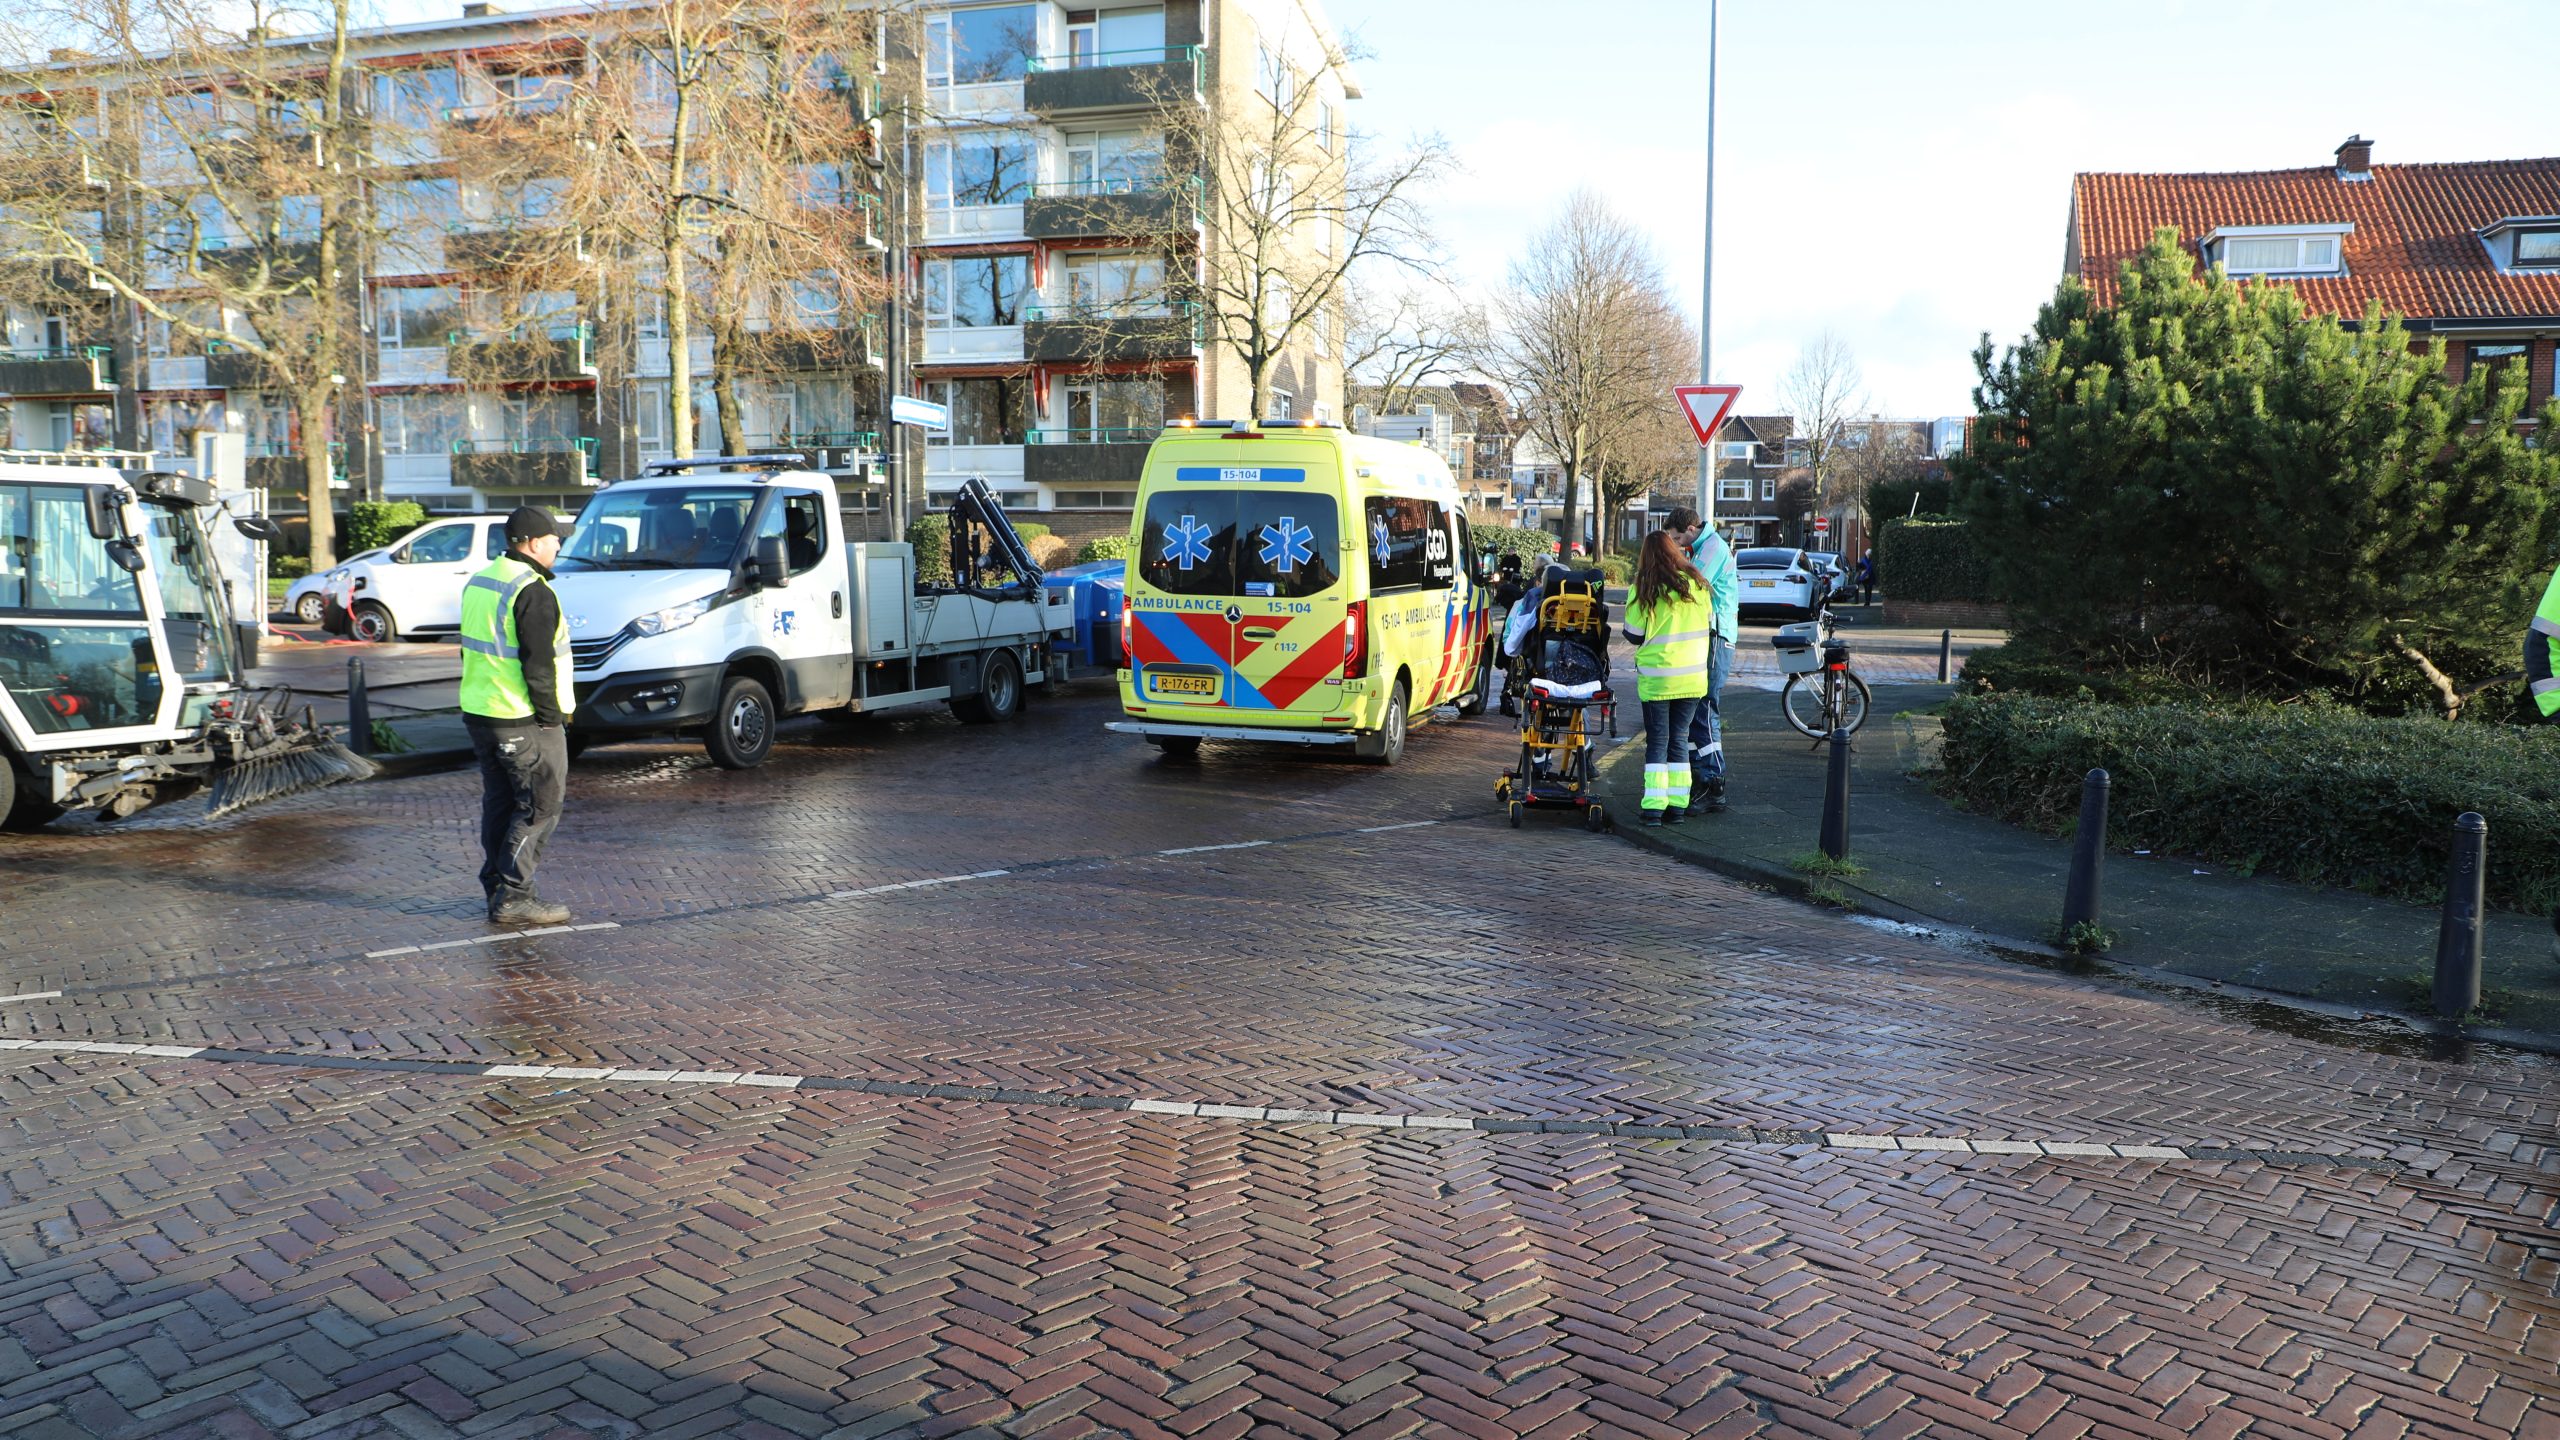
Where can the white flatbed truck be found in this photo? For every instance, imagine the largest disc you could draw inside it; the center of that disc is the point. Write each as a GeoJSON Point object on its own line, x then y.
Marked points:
{"type": "Point", "coordinates": [718, 596]}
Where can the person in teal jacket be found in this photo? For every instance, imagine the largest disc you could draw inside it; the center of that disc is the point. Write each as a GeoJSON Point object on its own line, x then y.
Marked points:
{"type": "Point", "coordinates": [1672, 622]}
{"type": "Point", "coordinates": [1714, 560]}
{"type": "Point", "coordinates": [2542, 679]}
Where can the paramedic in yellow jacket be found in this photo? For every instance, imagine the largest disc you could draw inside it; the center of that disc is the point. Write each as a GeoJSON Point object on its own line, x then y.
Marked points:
{"type": "Point", "coordinates": [516, 702]}
{"type": "Point", "coordinates": [1672, 620]}
{"type": "Point", "coordinates": [2542, 678]}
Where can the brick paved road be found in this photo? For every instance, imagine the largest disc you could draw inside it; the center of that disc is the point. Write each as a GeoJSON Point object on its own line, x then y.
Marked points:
{"type": "Point", "coordinates": [233, 1246]}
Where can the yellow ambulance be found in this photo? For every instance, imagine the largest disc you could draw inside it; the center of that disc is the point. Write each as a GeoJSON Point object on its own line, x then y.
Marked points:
{"type": "Point", "coordinates": [1298, 584]}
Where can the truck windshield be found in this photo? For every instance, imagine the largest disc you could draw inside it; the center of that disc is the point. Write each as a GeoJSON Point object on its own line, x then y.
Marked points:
{"type": "Point", "coordinates": [199, 626]}
{"type": "Point", "coordinates": [49, 563]}
{"type": "Point", "coordinates": [669, 528]}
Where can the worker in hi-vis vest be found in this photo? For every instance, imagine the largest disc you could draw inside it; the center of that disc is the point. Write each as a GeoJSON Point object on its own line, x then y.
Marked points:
{"type": "Point", "coordinates": [516, 702]}
{"type": "Point", "coordinates": [2542, 677]}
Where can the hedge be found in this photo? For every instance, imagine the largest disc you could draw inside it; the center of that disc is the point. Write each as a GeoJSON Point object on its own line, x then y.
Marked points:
{"type": "Point", "coordinates": [2314, 793]}
{"type": "Point", "coordinates": [930, 535]}
{"type": "Point", "coordinates": [1107, 547]}
{"type": "Point", "coordinates": [372, 524]}
{"type": "Point", "coordinates": [1928, 560]}
{"type": "Point", "coordinates": [1534, 547]}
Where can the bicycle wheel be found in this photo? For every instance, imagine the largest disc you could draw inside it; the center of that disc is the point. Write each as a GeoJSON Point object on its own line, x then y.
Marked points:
{"type": "Point", "coordinates": [1853, 701]}
{"type": "Point", "coordinates": [1802, 702]}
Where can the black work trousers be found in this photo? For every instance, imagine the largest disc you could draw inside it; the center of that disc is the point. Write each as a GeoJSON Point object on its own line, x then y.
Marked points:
{"type": "Point", "coordinates": [524, 777]}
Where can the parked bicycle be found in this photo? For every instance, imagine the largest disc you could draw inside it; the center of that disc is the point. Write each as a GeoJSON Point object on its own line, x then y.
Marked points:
{"type": "Point", "coordinates": [1822, 694]}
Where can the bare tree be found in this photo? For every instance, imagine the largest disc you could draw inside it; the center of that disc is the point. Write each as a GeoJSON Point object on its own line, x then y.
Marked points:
{"type": "Point", "coordinates": [1822, 391]}
{"type": "Point", "coordinates": [1887, 453]}
{"type": "Point", "coordinates": [1579, 338]}
{"type": "Point", "coordinates": [207, 180]}
{"type": "Point", "coordinates": [711, 161]}
{"type": "Point", "coordinates": [1396, 339]}
{"type": "Point", "coordinates": [1647, 442]}
{"type": "Point", "coordinates": [1274, 205]}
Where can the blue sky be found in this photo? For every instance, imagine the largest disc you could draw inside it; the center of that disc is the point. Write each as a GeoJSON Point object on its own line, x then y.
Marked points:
{"type": "Point", "coordinates": [1900, 172]}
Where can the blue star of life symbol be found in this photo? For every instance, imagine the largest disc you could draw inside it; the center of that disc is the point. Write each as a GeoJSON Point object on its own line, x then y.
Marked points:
{"type": "Point", "coordinates": [1287, 545]}
{"type": "Point", "coordinates": [1187, 543]}
{"type": "Point", "coordinates": [1378, 537]}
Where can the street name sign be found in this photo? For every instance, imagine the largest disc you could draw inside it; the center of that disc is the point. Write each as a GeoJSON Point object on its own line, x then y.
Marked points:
{"type": "Point", "coordinates": [906, 410]}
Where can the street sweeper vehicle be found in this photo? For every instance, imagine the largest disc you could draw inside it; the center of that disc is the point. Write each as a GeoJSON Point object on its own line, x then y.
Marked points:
{"type": "Point", "coordinates": [121, 684]}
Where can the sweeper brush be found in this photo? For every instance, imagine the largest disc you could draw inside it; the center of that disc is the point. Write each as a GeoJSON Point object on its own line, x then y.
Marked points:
{"type": "Point", "coordinates": [267, 757]}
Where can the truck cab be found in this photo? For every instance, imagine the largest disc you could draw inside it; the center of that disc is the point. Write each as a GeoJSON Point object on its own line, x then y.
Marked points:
{"type": "Point", "coordinates": [120, 670]}
{"type": "Point", "coordinates": [721, 595]}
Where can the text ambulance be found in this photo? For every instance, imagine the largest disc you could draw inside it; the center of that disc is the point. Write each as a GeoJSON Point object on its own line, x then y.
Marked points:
{"type": "Point", "coordinates": [1297, 584]}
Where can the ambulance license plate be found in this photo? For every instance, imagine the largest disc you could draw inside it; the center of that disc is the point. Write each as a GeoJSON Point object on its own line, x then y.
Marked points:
{"type": "Point", "coordinates": [1184, 684]}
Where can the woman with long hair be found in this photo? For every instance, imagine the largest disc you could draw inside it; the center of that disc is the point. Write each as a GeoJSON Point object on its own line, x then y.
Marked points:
{"type": "Point", "coordinates": [1673, 624]}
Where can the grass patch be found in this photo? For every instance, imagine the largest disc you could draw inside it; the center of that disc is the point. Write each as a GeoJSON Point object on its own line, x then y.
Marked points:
{"type": "Point", "coordinates": [1814, 862]}
{"type": "Point", "coordinates": [2086, 937]}
{"type": "Point", "coordinates": [1824, 892]}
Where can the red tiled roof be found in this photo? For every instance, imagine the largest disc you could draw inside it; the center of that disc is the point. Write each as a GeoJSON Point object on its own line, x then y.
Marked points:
{"type": "Point", "coordinates": [2415, 246]}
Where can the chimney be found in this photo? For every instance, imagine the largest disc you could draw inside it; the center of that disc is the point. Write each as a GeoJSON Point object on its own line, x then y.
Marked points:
{"type": "Point", "coordinates": [65, 55]}
{"type": "Point", "coordinates": [2355, 159]}
{"type": "Point", "coordinates": [479, 10]}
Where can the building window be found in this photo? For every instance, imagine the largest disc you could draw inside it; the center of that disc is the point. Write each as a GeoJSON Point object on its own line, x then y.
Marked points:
{"type": "Point", "coordinates": [2279, 254]}
{"type": "Point", "coordinates": [968, 293]}
{"type": "Point", "coordinates": [987, 410]}
{"type": "Point", "coordinates": [982, 46]}
{"type": "Point", "coordinates": [1130, 36]}
{"type": "Point", "coordinates": [1324, 125]}
{"type": "Point", "coordinates": [989, 168]}
{"type": "Point", "coordinates": [1120, 410]}
{"type": "Point", "coordinates": [424, 422]}
{"type": "Point", "coordinates": [1096, 499]}
{"type": "Point", "coordinates": [2494, 356]}
{"type": "Point", "coordinates": [1734, 450]}
{"type": "Point", "coordinates": [415, 99]}
{"type": "Point", "coordinates": [1115, 285]}
{"type": "Point", "coordinates": [1113, 162]}
{"type": "Point", "coordinates": [649, 417]}
{"type": "Point", "coordinates": [2538, 247]}
{"type": "Point", "coordinates": [1768, 488]}
{"type": "Point", "coordinates": [1734, 489]}
{"type": "Point", "coordinates": [419, 317]}
{"type": "Point", "coordinates": [1283, 405]}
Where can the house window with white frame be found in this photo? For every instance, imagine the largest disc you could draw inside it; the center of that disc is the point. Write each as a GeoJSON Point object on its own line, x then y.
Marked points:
{"type": "Point", "coordinates": [649, 416]}
{"type": "Point", "coordinates": [2299, 254]}
{"type": "Point", "coordinates": [985, 168]}
{"type": "Point", "coordinates": [1735, 450]}
{"type": "Point", "coordinates": [1734, 487]}
{"type": "Point", "coordinates": [1768, 487]}
{"type": "Point", "coordinates": [1113, 162]}
{"type": "Point", "coordinates": [1127, 35]}
{"type": "Point", "coordinates": [1115, 285]}
{"type": "Point", "coordinates": [986, 44]}
{"type": "Point", "coordinates": [1284, 405]}
{"type": "Point", "coordinates": [975, 291]}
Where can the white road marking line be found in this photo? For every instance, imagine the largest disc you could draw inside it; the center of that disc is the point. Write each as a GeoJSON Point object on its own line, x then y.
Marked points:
{"type": "Point", "coordinates": [1860, 1142]}
{"type": "Point", "coordinates": [1383, 829]}
{"type": "Point", "coordinates": [499, 938]}
{"type": "Point", "coordinates": [31, 995]}
{"type": "Point", "coordinates": [1205, 849]}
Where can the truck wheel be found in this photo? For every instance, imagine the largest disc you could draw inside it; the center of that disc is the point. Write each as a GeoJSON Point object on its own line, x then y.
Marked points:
{"type": "Point", "coordinates": [999, 694]}
{"type": "Point", "coordinates": [1178, 747]}
{"type": "Point", "coordinates": [311, 609]}
{"type": "Point", "coordinates": [19, 808]}
{"type": "Point", "coordinates": [741, 733]}
{"type": "Point", "coordinates": [372, 622]}
{"type": "Point", "coordinates": [1386, 747]}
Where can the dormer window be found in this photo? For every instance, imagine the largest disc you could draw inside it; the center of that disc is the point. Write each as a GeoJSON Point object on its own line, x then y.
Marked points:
{"type": "Point", "coordinates": [2278, 249]}
{"type": "Point", "coordinates": [2524, 242]}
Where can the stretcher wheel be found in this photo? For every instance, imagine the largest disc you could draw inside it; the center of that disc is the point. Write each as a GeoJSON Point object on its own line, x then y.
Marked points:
{"type": "Point", "coordinates": [1502, 788]}
{"type": "Point", "coordinates": [1517, 810]}
{"type": "Point", "coordinates": [1594, 819]}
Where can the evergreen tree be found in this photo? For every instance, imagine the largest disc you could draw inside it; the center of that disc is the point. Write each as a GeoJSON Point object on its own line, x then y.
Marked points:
{"type": "Point", "coordinates": [2208, 475]}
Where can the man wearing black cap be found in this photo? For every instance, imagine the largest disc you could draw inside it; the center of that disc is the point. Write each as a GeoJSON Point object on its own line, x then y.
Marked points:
{"type": "Point", "coordinates": [516, 702]}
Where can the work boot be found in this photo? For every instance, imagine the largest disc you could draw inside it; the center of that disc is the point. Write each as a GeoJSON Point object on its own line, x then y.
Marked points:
{"type": "Point", "coordinates": [1653, 819]}
{"type": "Point", "coordinates": [1709, 801]}
{"type": "Point", "coordinates": [528, 911]}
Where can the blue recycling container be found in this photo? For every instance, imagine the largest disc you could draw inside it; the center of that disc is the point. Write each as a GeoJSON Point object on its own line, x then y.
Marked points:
{"type": "Point", "coordinates": [1097, 587]}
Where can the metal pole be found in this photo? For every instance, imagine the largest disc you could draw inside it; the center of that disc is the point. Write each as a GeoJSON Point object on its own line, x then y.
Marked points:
{"type": "Point", "coordinates": [1835, 799]}
{"type": "Point", "coordinates": [359, 710]}
{"type": "Point", "coordinates": [2459, 942]}
{"type": "Point", "coordinates": [2081, 893]}
{"type": "Point", "coordinates": [1707, 282]}
{"type": "Point", "coordinates": [1946, 656]}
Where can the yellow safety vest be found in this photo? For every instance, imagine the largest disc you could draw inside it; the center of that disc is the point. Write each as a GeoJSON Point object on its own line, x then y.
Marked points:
{"type": "Point", "coordinates": [2541, 648]}
{"type": "Point", "coordinates": [493, 681]}
{"type": "Point", "coordinates": [1679, 634]}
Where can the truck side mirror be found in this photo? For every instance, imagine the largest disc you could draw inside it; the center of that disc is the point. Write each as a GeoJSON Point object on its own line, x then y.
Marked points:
{"type": "Point", "coordinates": [259, 528]}
{"type": "Point", "coordinates": [126, 554]}
{"type": "Point", "coordinates": [771, 568]}
{"type": "Point", "coordinates": [106, 511]}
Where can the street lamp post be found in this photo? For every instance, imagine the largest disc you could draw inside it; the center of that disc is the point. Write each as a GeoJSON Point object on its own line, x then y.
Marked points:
{"type": "Point", "coordinates": [1707, 282]}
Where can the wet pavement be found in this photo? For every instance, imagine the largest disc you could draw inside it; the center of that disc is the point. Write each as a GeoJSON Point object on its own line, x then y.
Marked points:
{"type": "Point", "coordinates": [873, 1104]}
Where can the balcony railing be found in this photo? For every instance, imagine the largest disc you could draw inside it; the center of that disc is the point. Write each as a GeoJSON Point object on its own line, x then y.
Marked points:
{"type": "Point", "coordinates": [58, 371]}
{"type": "Point", "coordinates": [1113, 79]}
{"type": "Point", "coordinates": [530, 445]}
{"type": "Point", "coordinates": [1060, 333]}
{"type": "Point", "coordinates": [1113, 205]}
{"type": "Point", "coordinates": [535, 462]}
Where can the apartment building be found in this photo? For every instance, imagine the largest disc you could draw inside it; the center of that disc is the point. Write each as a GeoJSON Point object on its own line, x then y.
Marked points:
{"type": "Point", "coordinates": [1038, 227]}
{"type": "Point", "coordinates": [1064, 241]}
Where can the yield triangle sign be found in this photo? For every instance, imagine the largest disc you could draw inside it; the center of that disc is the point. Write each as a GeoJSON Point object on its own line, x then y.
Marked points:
{"type": "Point", "coordinates": [1706, 406]}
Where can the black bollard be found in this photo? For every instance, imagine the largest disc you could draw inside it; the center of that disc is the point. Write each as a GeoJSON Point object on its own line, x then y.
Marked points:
{"type": "Point", "coordinates": [1835, 800]}
{"type": "Point", "coordinates": [2459, 942]}
{"type": "Point", "coordinates": [359, 710]}
{"type": "Point", "coordinates": [2080, 894]}
{"type": "Point", "coordinates": [1946, 656]}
